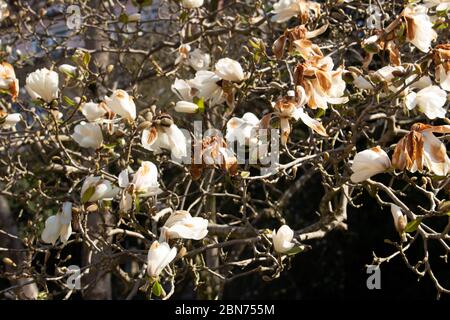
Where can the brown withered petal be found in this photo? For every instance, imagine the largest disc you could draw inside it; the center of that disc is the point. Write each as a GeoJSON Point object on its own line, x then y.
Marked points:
{"type": "Point", "coordinates": [153, 134]}
{"type": "Point", "coordinates": [324, 80]}
{"type": "Point", "coordinates": [410, 29]}
{"type": "Point", "coordinates": [394, 53]}
{"type": "Point", "coordinates": [285, 130]}
{"type": "Point", "coordinates": [279, 46]}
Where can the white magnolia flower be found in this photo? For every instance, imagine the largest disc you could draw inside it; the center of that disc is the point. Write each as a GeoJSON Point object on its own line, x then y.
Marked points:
{"type": "Point", "coordinates": [122, 104]}
{"type": "Point", "coordinates": [190, 4]}
{"type": "Point", "coordinates": [443, 76]}
{"type": "Point", "coordinates": [429, 100]}
{"type": "Point", "coordinates": [145, 180]}
{"type": "Point", "coordinates": [368, 163]}
{"type": "Point", "coordinates": [181, 224]}
{"type": "Point", "coordinates": [286, 9]}
{"type": "Point", "coordinates": [441, 5]}
{"type": "Point", "coordinates": [94, 111]}
{"type": "Point", "coordinates": [362, 83]}
{"type": "Point", "coordinates": [419, 28]}
{"type": "Point", "coordinates": [159, 256]}
{"type": "Point", "coordinates": [68, 69]}
{"type": "Point", "coordinates": [59, 225]}
{"type": "Point", "coordinates": [8, 121]}
{"type": "Point", "coordinates": [182, 89]}
{"type": "Point", "coordinates": [205, 86]}
{"type": "Point", "coordinates": [43, 84]}
{"type": "Point", "coordinates": [183, 53]}
{"type": "Point", "coordinates": [96, 188]}
{"type": "Point", "coordinates": [199, 60]}
{"type": "Point", "coordinates": [186, 107]}
{"type": "Point", "coordinates": [8, 80]}
{"type": "Point", "coordinates": [282, 240]}
{"type": "Point", "coordinates": [400, 220]}
{"type": "Point", "coordinates": [165, 137]}
{"type": "Point", "coordinates": [229, 69]}
{"type": "Point", "coordinates": [88, 135]}
{"type": "Point", "coordinates": [4, 12]}
{"type": "Point", "coordinates": [242, 129]}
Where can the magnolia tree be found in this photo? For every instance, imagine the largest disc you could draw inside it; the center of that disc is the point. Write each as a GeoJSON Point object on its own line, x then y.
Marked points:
{"type": "Point", "coordinates": [151, 145]}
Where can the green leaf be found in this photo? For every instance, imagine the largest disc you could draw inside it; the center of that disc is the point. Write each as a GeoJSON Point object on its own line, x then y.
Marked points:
{"type": "Point", "coordinates": [69, 101]}
{"type": "Point", "coordinates": [320, 113]}
{"type": "Point", "coordinates": [86, 58]}
{"type": "Point", "coordinates": [245, 174]}
{"type": "Point", "coordinates": [448, 213]}
{"type": "Point", "coordinates": [142, 3]}
{"type": "Point", "coordinates": [123, 18]}
{"type": "Point", "coordinates": [137, 204]}
{"type": "Point", "coordinates": [157, 289]}
{"type": "Point", "coordinates": [109, 145]}
{"type": "Point", "coordinates": [413, 225]}
{"type": "Point", "coordinates": [200, 103]}
{"type": "Point", "coordinates": [87, 194]}
{"type": "Point", "coordinates": [295, 250]}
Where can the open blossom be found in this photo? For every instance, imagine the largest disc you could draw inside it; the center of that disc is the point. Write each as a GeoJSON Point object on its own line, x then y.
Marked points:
{"type": "Point", "coordinates": [94, 111]}
{"type": "Point", "coordinates": [182, 89]}
{"type": "Point", "coordinates": [8, 80]}
{"type": "Point", "coordinates": [145, 180]}
{"type": "Point", "coordinates": [68, 69]}
{"type": "Point", "coordinates": [419, 28]}
{"type": "Point", "coordinates": [190, 4]}
{"type": "Point", "coordinates": [420, 147]}
{"type": "Point", "coordinates": [88, 135]}
{"type": "Point", "coordinates": [182, 225]}
{"type": "Point", "coordinates": [199, 60]}
{"type": "Point", "coordinates": [282, 239]}
{"type": "Point", "coordinates": [368, 163]}
{"type": "Point", "coordinates": [159, 256]}
{"type": "Point", "coordinates": [59, 225]}
{"type": "Point", "coordinates": [286, 9]}
{"type": "Point", "coordinates": [43, 84]}
{"type": "Point", "coordinates": [204, 85]}
{"type": "Point", "coordinates": [442, 63]}
{"type": "Point", "coordinates": [242, 130]}
{"type": "Point", "coordinates": [441, 5]}
{"type": "Point", "coordinates": [122, 104]}
{"type": "Point", "coordinates": [321, 83]}
{"type": "Point", "coordinates": [429, 100]}
{"type": "Point", "coordinates": [230, 70]}
{"type": "Point", "coordinates": [8, 121]}
{"type": "Point", "coordinates": [96, 188]}
{"type": "Point", "coordinates": [164, 134]}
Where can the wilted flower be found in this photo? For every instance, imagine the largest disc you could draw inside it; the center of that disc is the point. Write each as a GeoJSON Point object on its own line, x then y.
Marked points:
{"type": "Point", "coordinates": [182, 225]}
{"type": "Point", "coordinates": [43, 84]}
{"type": "Point", "coordinates": [94, 111]}
{"type": "Point", "coordinates": [297, 38]}
{"type": "Point", "coordinates": [442, 62]}
{"type": "Point", "coordinates": [230, 70]}
{"type": "Point", "coordinates": [96, 188]}
{"type": "Point", "coordinates": [58, 226]}
{"type": "Point", "coordinates": [8, 80]}
{"type": "Point", "coordinates": [282, 240]}
{"type": "Point", "coordinates": [199, 60]}
{"type": "Point", "coordinates": [159, 256]}
{"type": "Point", "coordinates": [419, 28]}
{"type": "Point", "coordinates": [88, 135]}
{"type": "Point", "coordinates": [190, 4]}
{"type": "Point", "coordinates": [183, 53]}
{"type": "Point", "coordinates": [429, 100]}
{"type": "Point", "coordinates": [322, 85]}
{"type": "Point", "coordinates": [242, 130]}
{"type": "Point", "coordinates": [420, 147]}
{"type": "Point", "coordinates": [164, 134]}
{"type": "Point", "coordinates": [213, 152]}
{"type": "Point", "coordinates": [286, 9]}
{"type": "Point", "coordinates": [122, 104]}
{"type": "Point", "coordinates": [368, 163]}
{"type": "Point", "coordinates": [7, 121]}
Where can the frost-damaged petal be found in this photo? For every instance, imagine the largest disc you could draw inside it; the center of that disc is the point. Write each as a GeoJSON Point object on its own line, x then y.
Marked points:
{"type": "Point", "coordinates": [312, 123]}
